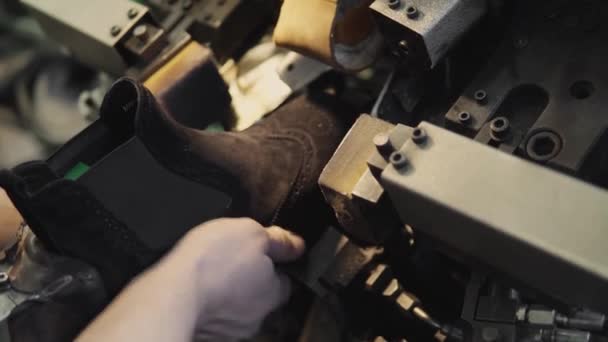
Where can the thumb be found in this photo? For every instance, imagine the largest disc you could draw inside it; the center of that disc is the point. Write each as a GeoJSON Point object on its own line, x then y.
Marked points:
{"type": "Point", "coordinates": [284, 245]}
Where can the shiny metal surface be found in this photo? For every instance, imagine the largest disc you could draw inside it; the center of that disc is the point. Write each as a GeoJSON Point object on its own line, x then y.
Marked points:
{"type": "Point", "coordinates": [93, 31]}
{"type": "Point", "coordinates": [550, 236]}
{"type": "Point", "coordinates": [438, 24]}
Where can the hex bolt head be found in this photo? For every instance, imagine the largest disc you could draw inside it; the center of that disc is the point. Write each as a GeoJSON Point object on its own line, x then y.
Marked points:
{"type": "Point", "coordinates": [132, 13]}
{"type": "Point", "coordinates": [481, 96]}
{"type": "Point", "coordinates": [411, 12]}
{"type": "Point", "coordinates": [115, 30]}
{"type": "Point", "coordinates": [464, 118]}
{"type": "Point", "coordinates": [419, 136]}
{"type": "Point", "coordinates": [394, 4]}
{"type": "Point", "coordinates": [398, 160]}
{"type": "Point", "coordinates": [499, 128]}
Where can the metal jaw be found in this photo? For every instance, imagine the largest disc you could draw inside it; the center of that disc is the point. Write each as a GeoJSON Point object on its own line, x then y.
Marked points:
{"type": "Point", "coordinates": [29, 274]}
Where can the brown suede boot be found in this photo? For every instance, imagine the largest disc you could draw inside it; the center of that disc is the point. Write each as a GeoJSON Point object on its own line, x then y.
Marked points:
{"type": "Point", "coordinates": [271, 169]}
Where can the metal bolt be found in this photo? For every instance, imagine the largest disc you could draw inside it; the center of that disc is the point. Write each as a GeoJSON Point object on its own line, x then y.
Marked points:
{"type": "Point", "coordinates": [383, 144]}
{"type": "Point", "coordinates": [394, 4]}
{"type": "Point", "coordinates": [404, 48]}
{"type": "Point", "coordinates": [187, 4]}
{"type": "Point", "coordinates": [115, 30]}
{"type": "Point", "coordinates": [398, 160]}
{"type": "Point", "coordinates": [499, 128]}
{"type": "Point", "coordinates": [464, 118]}
{"type": "Point", "coordinates": [412, 12]}
{"type": "Point", "coordinates": [141, 32]}
{"type": "Point", "coordinates": [419, 136]}
{"type": "Point", "coordinates": [481, 96]}
{"type": "Point", "coordinates": [3, 278]}
{"type": "Point", "coordinates": [490, 334]}
{"type": "Point", "coordinates": [132, 13]}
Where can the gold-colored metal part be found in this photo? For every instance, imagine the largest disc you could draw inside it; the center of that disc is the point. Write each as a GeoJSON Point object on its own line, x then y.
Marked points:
{"type": "Point", "coordinates": [406, 302]}
{"type": "Point", "coordinates": [375, 275]}
{"type": "Point", "coordinates": [175, 69]}
{"type": "Point", "coordinates": [440, 336]}
{"type": "Point", "coordinates": [420, 313]}
{"type": "Point", "coordinates": [392, 289]}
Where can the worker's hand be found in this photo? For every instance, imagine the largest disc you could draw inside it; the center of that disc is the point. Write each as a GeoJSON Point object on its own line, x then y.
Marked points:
{"type": "Point", "coordinates": [235, 274]}
{"type": "Point", "coordinates": [218, 283]}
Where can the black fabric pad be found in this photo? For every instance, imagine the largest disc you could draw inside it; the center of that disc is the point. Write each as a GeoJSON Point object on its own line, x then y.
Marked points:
{"type": "Point", "coordinates": [156, 204]}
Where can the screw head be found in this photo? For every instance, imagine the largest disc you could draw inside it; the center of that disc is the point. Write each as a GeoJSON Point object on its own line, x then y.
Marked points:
{"type": "Point", "coordinates": [398, 160]}
{"type": "Point", "coordinates": [394, 4]}
{"type": "Point", "coordinates": [419, 136]}
{"type": "Point", "coordinates": [499, 128]}
{"type": "Point", "coordinates": [132, 13]}
{"type": "Point", "coordinates": [464, 117]}
{"type": "Point", "coordinates": [115, 30]}
{"type": "Point", "coordinates": [412, 12]}
{"type": "Point", "coordinates": [481, 96]}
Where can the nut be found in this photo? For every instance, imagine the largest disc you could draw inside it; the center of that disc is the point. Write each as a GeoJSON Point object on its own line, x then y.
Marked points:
{"type": "Point", "coordinates": [394, 4]}
{"type": "Point", "coordinates": [419, 136]}
{"type": "Point", "coordinates": [406, 302]}
{"type": "Point", "coordinates": [398, 160]}
{"type": "Point", "coordinates": [412, 12]}
{"type": "Point", "coordinates": [499, 128]}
